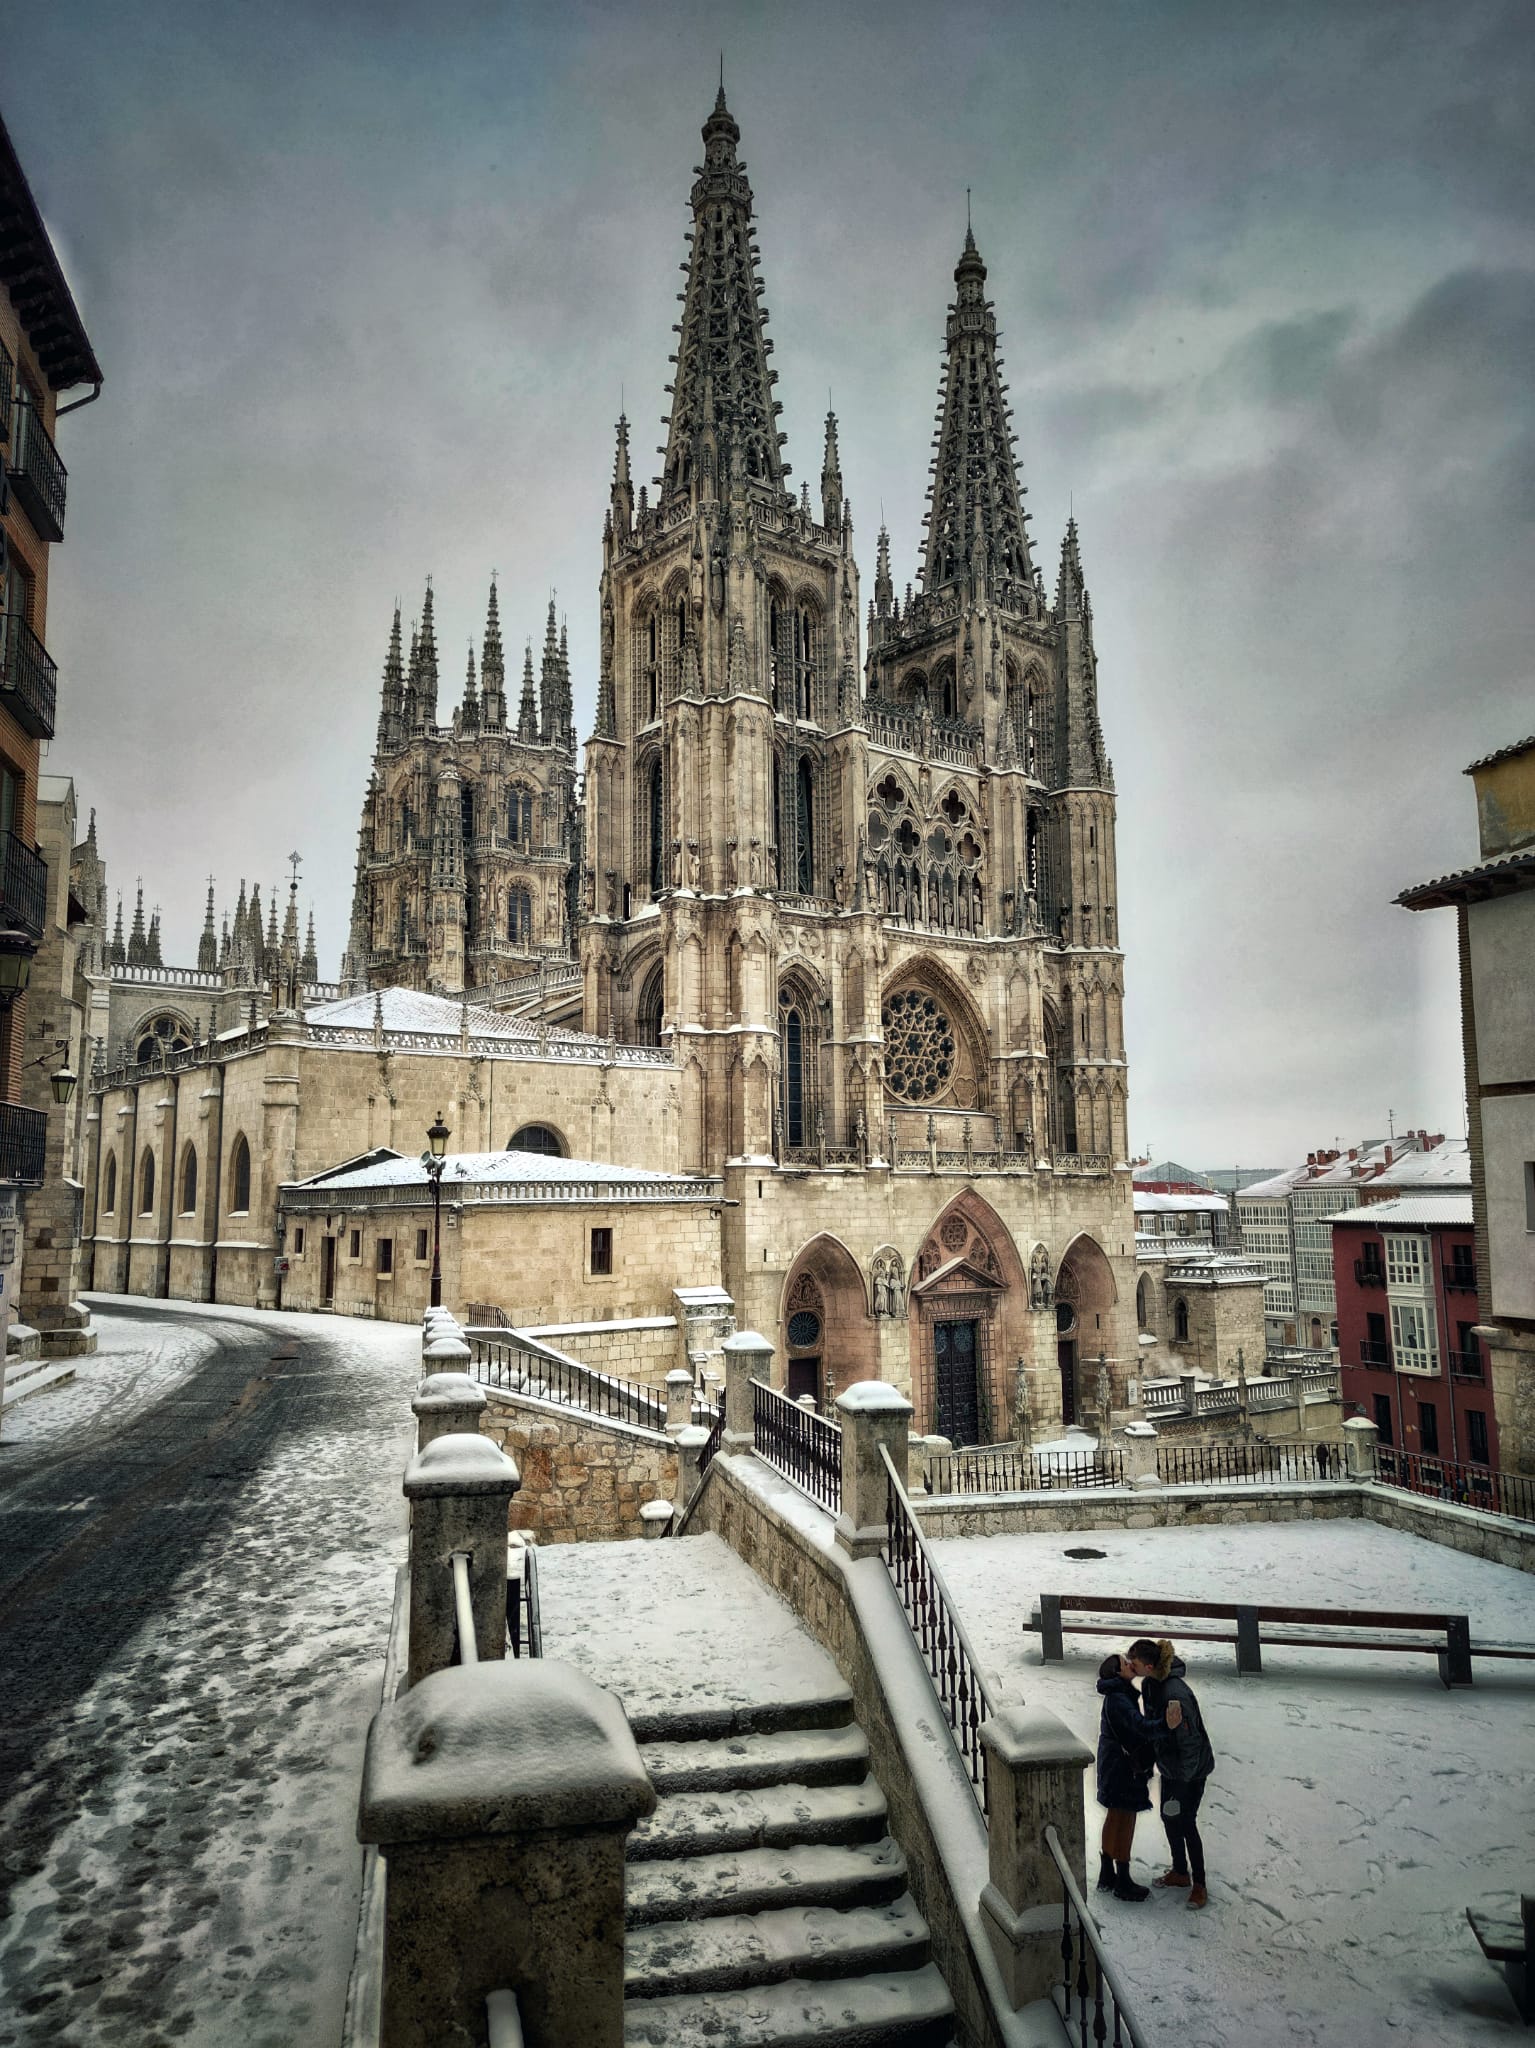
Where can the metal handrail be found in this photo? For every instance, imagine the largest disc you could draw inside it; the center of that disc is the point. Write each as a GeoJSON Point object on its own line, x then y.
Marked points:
{"type": "Point", "coordinates": [562, 1379]}
{"type": "Point", "coordinates": [1232, 1464]}
{"type": "Point", "coordinates": [1091, 2022]}
{"type": "Point", "coordinates": [805, 1448]}
{"type": "Point", "coordinates": [1474, 1486]}
{"type": "Point", "coordinates": [463, 1609]}
{"type": "Point", "coordinates": [503, 2022]}
{"type": "Point", "coordinates": [937, 1629]}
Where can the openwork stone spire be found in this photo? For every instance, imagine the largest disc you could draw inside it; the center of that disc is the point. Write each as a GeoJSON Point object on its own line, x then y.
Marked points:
{"type": "Point", "coordinates": [208, 944]}
{"type": "Point", "coordinates": [527, 710]}
{"type": "Point", "coordinates": [1082, 759]}
{"type": "Point", "coordinates": [392, 704]}
{"type": "Point", "coordinates": [426, 663]}
{"type": "Point", "coordinates": [493, 665]}
{"type": "Point", "coordinates": [724, 420]}
{"type": "Point", "coordinates": [138, 945]}
{"type": "Point", "coordinates": [309, 966]}
{"type": "Point", "coordinates": [549, 682]}
{"type": "Point", "coordinates": [469, 713]}
{"type": "Point", "coordinates": [976, 529]}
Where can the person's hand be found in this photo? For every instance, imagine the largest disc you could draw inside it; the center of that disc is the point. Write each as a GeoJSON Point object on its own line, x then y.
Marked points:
{"type": "Point", "coordinates": [1174, 1714]}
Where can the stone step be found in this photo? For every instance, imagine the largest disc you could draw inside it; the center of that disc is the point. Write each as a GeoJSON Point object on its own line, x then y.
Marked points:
{"type": "Point", "coordinates": [736, 1950]}
{"type": "Point", "coordinates": [826, 1706]}
{"type": "Point", "coordinates": [764, 1880]}
{"type": "Point", "coordinates": [904, 2009]}
{"type": "Point", "coordinates": [762, 1817]}
{"type": "Point", "coordinates": [34, 1376]}
{"type": "Point", "coordinates": [782, 1756]}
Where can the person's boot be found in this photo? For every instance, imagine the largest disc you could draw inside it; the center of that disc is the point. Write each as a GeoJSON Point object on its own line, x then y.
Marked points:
{"type": "Point", "coordinates": [1125, 1886]}
{"type": "Point", "coordinates": [1105, 1873]}
{"type": "Point", "coordinates": [1173, 1880]}
{"type": "Point", "coordinates": [1198, 1896]}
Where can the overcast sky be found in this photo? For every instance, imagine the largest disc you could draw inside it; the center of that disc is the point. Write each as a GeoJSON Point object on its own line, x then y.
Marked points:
{"type": "Point", "coordinates": [367, 277]}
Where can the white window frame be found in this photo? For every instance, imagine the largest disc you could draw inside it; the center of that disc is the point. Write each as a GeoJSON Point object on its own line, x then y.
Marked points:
{"type": "Point", "coordinates": [1412, 1321]}
{"type": "Point", "coordinates": [1407, 1263]}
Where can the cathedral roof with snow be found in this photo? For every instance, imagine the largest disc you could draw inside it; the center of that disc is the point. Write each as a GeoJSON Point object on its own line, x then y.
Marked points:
{"type": "Point", "coordinates": [540, 1174]}
{"type": "Point", "coordinates": [411, 1009]}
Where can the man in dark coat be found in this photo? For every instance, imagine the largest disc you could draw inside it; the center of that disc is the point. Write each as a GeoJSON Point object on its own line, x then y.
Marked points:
{"type": "Point", "coordinates": [1125, 1758]}
{"type": "Point", "coordinates": [1184, 1759]}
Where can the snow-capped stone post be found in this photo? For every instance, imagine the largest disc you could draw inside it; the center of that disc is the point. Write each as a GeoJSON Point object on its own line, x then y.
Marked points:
{"type": "Point", "coordinates": [1361, 1447]}
{"type": "Point", "coordinates": [690, 1444]}
{"type": "Point", "coordinates": [447, 1404]}
{"type": "Point", "coordinates": [1034, 1767]}
{"type": "Point", "coordinates": [1138, 1442]}
{"type": "Point", "coordinates": [459, 1488]}
{"type": "Point", "coordinates": [655, 1517]}
{"type": "Point", "coordinates": [679, 1400]}
{"type": "Point", "coordinates": [445, 1351]}
{"type": "Point", "coordinates": [500, 1796]}
{"type": "Point", "coordinates": [875, 1416]}
{"type": "Point", "coordinates": [748, 1357]}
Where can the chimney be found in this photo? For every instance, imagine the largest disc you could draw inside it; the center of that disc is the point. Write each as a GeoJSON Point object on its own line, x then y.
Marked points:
{"type": "Point", "coordinates": [1353, 1151]}
{"type": "Point", "coordinates": [1388, 1155]}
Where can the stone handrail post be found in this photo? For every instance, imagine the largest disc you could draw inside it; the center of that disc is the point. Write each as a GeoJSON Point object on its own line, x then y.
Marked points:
{"type": "Point", "coordinates": [500, 1796]}
{"type": "Point", "coordinates": [690, 1443]}
{"type": "Point", "coordinates": [1138, 1440]}
{"type": "Point", "coordinates": [875, 1416]}
{"type": "Point", "coordinates": [447, 1404]}
{"type": "Point", "coordinates": [445, 1352]}
{"type": "Point", "coordinates": [679, 1400]}
{"type": "Point", "coordinates": [1361, 1447]}
{"type": "Point", "coordinates": [1034, 1767]}
{"type": "Point", "coordinates": [459, 1488]}
{"type": "Point", "coordinates": [748, 1357]}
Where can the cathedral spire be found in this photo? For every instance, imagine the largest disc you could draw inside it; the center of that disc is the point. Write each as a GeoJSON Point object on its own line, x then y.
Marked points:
{"type": "Point", "coordinates": [1081, 758]}
{"type": "Point", "coordinates": [549, 683]}
{"type": "Point", "coordinates": [392, 704]}
{"type": "Point", "coordinates": [724, 420]}
{"type": "Point", "coordinates": [622, 502]}
{"type": "Point", "coordinates": [426, 658]}
{"type": "Point", "coordinates": [271, 933]}
{"type": "Point", "coordinates": [469, 714]}
{"type": "Point", "coordinates": [116, 953]}
{"type": "Point", "coordinates": [493, 665]}
{"type": "Point", "coordinates": [977, 532]}
{"type": "Point", "coordinates": [884, 588]}
{"type": "Point", "coordinates": [831, 478]}
{"type": "Point", "coordinates": [566, 737]}
{"type": "Point", "coordinates": [138, 945]}
{"type": "Point", "coordinates": [208, 944]}
{"type": "Point", "coordinates": [527, 710]}
{"type": "Point", "coordinates": [309, 966]}
{"type": "Point", "coordinates": [255, 935]}
{"type": "Point", "coordinates": [152, 942]}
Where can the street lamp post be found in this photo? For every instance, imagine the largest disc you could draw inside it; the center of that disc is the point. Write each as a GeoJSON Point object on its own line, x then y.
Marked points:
{"type": "Point", "coordinates": [434, 1159]}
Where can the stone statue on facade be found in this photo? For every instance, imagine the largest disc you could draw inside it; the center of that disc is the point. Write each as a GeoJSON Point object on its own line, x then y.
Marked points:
{"type": "Point", "coordinates": [1039, 1278]}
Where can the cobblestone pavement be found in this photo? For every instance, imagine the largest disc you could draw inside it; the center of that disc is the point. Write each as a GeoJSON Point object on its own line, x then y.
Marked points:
{"type": "Point", "coordinates": [194, 1604]}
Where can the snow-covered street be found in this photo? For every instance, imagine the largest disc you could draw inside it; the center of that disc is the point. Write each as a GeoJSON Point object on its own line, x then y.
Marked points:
{"type": "Point", "coordinates": [1356, 1808]}
{"type": "Point", "coordinates": [198, 1541]}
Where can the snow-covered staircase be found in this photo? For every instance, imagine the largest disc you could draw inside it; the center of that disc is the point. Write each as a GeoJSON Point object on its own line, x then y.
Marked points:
{"type": "Point", "coordinates": [767, 1905]}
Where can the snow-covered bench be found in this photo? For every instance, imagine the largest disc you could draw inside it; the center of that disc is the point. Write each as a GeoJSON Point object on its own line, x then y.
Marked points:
{"type": "Point", "coordinates": [1445, 1636]}
{"type": "Point", "coordinates": [1506, 1940]}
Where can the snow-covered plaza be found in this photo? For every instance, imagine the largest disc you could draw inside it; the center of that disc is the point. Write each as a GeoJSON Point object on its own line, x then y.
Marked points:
{"type": "Point", "coordinates": [1356, 1809]}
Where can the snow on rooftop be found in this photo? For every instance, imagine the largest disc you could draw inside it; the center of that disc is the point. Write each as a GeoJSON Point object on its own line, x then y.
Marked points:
{"type": "Point", "coordinates": [394, 1171]}
{"type": "Point", "coordinates": [413, 1009]}
{"type": "Point", "coordinates": [1356, 1808]}
{"type": "Point", "coordinates": [1147, 1204]}
{"type": "Point", "coordinates": [1419, 1210]}
{"type": "Point", "coordinates": [1442, 1166]}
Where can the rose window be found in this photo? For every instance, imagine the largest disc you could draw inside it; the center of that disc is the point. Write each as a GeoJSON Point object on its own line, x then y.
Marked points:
{"type": "Point", "coordinates": [919, 1046]}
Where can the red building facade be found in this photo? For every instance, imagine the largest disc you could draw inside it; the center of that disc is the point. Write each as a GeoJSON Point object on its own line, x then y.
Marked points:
{"type": "Point", "coordinates": [1405, 1275]}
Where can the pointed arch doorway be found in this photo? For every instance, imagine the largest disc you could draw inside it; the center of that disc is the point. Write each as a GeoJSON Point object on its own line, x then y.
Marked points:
{"type": "Point", "coordinates": [828, 1336]}
{"type": "Point", "coordinates": [969, 1309]}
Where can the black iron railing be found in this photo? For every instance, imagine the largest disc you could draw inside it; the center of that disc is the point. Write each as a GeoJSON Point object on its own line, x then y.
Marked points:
{"type": "Point", "coordinates": [1368, 1275]}
{"type": "Point", "coordinates": [39, 479]}
{"type": "Point", "coordinates": [987, 1471]}
{"type": "Point", "coordinates": [716, 1431]}
{"type": "Point", "coordinates": [1468, 1364]}
{"type": "Point", "coordinates": [1460, 1277]}
{"type": "Point", "coordinates": [23, 887]}
{"type": "Point", "coordinates": [1469, 1486]}
{"type": "Point", "coordinates": [1373, 1352]}
{"type": "Point", "coordinates": [802, 1446]}
{"type": "Point", "coordinates": [1090, 1997]}
{"type": "Point", "coordinates": [29, 680]}
{"type": "Point", "coordinates": [23, 1143]}
{"type": "Point", "coordinates": [518, 1366]}
{"type": "Point", "coordinates": [1227, 1464]}
{"type": "Point", "coordinates": [524, 1626]}
{"type": "Point", "coordinates": [940, 1634]}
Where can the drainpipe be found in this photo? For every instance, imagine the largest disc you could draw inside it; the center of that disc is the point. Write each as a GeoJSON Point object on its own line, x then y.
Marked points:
{"type": "Point", "coordinates": [76, 403]}
{"type": "Point", "coordinates": [170, 1191]}
{"type": "Point", "coordinates": [216, 1189]}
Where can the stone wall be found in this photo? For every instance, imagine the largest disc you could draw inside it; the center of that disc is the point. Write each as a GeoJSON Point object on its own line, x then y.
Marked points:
{"type": "Point", "coordinates": [644, 1348]}
{"type": "Point", "coordinates": [584, 1479]}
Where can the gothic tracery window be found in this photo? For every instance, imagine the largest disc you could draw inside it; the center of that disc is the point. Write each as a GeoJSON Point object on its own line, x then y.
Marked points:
{"type": "Point", "coordinates": [919, 1046]}
{"type": "Point", "coordinates": [519, 917]}
{"type": "Point", "coordinates": [804, 830]}
{"type": "Point", "coordinates": [657, 823]}
{"type": "Point", "coordinates": [157, 1036]}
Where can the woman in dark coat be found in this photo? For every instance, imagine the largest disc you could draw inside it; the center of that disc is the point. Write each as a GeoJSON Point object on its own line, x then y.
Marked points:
{"type": "Point", "coordinates": [1125, 1757]}
{"type": "Point", "coordinates": [1184, 1759]}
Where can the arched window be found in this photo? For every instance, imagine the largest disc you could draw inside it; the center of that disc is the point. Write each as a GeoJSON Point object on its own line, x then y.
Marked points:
{"type": "Point", "coordinates": [794, 1065]}
{"type": "Point", "coordinates": [652, 668]}
{"type": "Point", "coordinates": [779, 862]}
{"type": "Point", "coordinates": [775, 627]}
{"type": "Point", "coordinates": [109, 1200]}
{"type": "Point", "coordinates": [647, 1015]}
{"type": "Point", "coordinates": [157, 1036]}
{"type": "Point", "coordinates": [519, 817]}
{"type": "Point", "coordinates": [943, 682]}
{"type": "Point", "coordinates": [657, 828]}
{"type": "Point", "coordinates": [1180, 1321]}
{"type": "Point", "coordinates": [240, 1175]}
{"type": "Point", "coordinates": [1143, 1302]}
{"type": "Point", "coordinates": [807, 634]}
{"type": "Point", "coordinates": [466, 814]}
{"type": "Point", "coordinates": [536, 1138]}
{"type": "Point", "coordinates": [804, 830]}
{"type": "Point", "coordinates": [519, 917]}
{"type": "Point", "coordinates": [147, 1184]}
{"type": "Point", "coordinates": [189, 1181]}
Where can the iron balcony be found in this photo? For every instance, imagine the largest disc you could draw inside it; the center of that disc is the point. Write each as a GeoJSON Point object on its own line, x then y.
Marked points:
{"type": "Point", "coordinates": [23, 1138]}
{"type": "Point", "coordinates": [38, 477]}
{"type": "Point", "coordinates": [29, 681]}
{"type": "Point", "coordinates": [1372, 1352]}
{"type": "Point", "coordinates": [23, 888]}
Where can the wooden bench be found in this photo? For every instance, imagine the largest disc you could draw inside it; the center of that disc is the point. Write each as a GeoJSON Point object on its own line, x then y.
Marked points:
{"type": "Point", "coordinates": [1506, 1940]}
{"type": "Point", "coordinates": [1444, 1636]}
